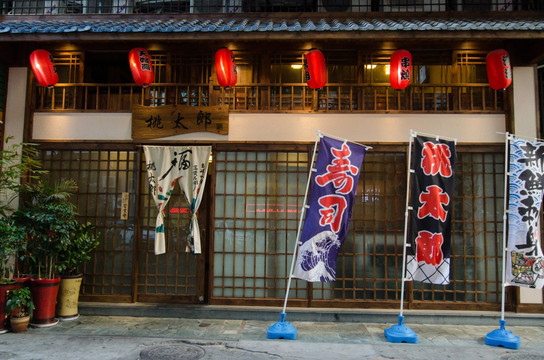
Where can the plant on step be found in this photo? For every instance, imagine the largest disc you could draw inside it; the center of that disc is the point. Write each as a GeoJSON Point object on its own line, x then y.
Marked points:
{"type": "Point", "coordinates": [19, 302]}
{"type": "Point", "coordinates": [48, 219]}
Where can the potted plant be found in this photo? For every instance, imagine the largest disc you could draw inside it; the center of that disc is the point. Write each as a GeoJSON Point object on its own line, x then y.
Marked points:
{"type": "Point", "coordinates": [83, 242]}
{"type": "Point", "coordinates": [16, 161]}
{"type": "Point", "coordinates": [19, 306]}
{"type": "Point", "coordinates": [48, 219]}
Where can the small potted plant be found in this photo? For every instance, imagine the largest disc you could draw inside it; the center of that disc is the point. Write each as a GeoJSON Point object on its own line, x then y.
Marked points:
{"type": "Point", "coordinates": [19, 306]}
{"type": "Point", "coordinates": [71, 257]}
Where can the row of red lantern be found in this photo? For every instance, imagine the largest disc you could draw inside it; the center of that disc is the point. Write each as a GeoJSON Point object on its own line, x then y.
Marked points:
{"type": "Point", "coordinates": [499, 71]}
{"type": "Point", "coordinates": [142, 71]}
{"type": "Point", "coordinates": [315, 69]}
{"type": "Point", "coordinates": [44, 69]}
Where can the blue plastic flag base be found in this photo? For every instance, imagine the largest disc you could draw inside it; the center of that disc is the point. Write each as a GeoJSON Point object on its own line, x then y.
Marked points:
{"type": "Point", "coordinates": [282, 330]}
{"type": "Point", "coordinates": [502, 337]}
{"type": "Point", "coordinates": [400, 333]}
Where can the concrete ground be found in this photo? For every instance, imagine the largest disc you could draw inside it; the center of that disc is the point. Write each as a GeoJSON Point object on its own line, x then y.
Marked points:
{"type": "Point", "coordinates": [171, 338]}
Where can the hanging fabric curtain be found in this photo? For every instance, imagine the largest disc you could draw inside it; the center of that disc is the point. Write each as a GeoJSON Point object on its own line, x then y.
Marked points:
{"type": "Point", "coordinates": [165, 166]}
{"type": "Point", "coordinates": [193, 187]}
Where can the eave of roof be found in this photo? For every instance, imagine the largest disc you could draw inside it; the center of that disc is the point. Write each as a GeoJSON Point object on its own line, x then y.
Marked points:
{"type": "Point", "coordinates": [22, 28]}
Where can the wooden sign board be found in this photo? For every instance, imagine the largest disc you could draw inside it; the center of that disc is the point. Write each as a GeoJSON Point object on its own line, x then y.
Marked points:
{"type": "Point", "coordinates": [150, 122]}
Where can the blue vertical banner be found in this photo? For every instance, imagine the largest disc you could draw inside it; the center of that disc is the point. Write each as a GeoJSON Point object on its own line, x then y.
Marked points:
{"type": "Point", "coordinates": [330, 205]}
{"type": "Point", "coordinates": [525, 261]}
{"type": "Point", "coordinates": [429, 240]}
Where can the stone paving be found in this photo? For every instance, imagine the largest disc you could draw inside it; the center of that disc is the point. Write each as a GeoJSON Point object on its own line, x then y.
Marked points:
{"type": "Point", "coordinates": [147, 338]}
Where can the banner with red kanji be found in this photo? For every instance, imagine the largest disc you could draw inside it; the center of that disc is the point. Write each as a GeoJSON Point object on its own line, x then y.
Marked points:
{"type": "Point", "coordinates": [429, 240]}
{"type": "Point", "coordinates": [332, 194]}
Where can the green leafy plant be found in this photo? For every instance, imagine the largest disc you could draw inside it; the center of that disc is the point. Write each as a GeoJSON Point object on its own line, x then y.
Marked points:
{"type": "Point", "coordinates": [17, 162]}
{"type": "Point", "coordinates": [19, 302]}
{"type": "Point", "coordinates": [83, 242]}
{"type": "Point", "coordinates": [48, 219]}
{"type": "Point", "coordinates": [12, 241]}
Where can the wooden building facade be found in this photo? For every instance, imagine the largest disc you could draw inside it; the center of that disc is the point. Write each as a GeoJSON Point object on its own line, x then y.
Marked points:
{"type": "Point", "coordinates": [258, 169]}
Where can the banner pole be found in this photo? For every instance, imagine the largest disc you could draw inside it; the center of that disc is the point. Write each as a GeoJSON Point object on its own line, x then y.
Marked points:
{"type": "Point", "coordinates": [505, 223]}
{"type": "Point", "coordinates": [400, 332]}
{"type": "Point", "coordinates": [300, 221]}
{"type": "Point", "coordinates": [501, 336]}
{"type": "Point", "coordinates": [284, 329]}
{"type": "Point", "coordinates": [406, 216]}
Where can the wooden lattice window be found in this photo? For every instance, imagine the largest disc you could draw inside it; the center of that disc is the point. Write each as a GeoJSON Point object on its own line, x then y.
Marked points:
{"type": "Point", "coordinates": [69, 66]}
{"type": "Point", "coordinates": [254, 237]}
{"type": "Point", "coordinates": [102, 178]}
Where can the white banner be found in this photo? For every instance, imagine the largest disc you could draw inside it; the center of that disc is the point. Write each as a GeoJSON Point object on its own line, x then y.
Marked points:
{"type": "Point", "coordinates": [193, 188]}
{"type": "Point", "coordinates": [165, 166]}
{"type": "Point", "coordinates": [525, 262]}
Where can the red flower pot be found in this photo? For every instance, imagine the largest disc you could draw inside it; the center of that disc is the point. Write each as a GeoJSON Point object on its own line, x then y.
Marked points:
{"type": "Point", "coordinates": [23, 280]}
{"type": "Point", "coordinates": [4, 287]}
{"type": "Point", "coordinates": [44, 295]}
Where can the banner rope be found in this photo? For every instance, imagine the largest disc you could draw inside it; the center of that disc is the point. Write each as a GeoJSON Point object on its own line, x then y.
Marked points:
{"type": "Point", "coordinates": [438, 137]}
{"type": "Point", "coordinates": [321, 134]}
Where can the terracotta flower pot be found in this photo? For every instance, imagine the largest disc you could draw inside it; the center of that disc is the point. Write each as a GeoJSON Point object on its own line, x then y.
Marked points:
{"type": "Point", "coordinates": [19, 324]}
{"type": "Point", "coordinates": [44, 296]}
{"type": "Point", "coordinates": [68, 298]}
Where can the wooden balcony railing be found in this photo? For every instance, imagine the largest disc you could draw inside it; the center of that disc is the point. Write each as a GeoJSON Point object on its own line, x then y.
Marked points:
{"type": "Point", "coordinates": [343, 98]}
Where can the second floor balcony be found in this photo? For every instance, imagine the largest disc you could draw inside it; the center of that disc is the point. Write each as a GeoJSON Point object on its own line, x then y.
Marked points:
{"type": "Point", "coordinates": [295, 97]}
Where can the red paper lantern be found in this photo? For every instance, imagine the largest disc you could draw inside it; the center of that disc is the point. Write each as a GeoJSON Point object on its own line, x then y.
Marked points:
{"type": "Point", "coordinates": [400, 69]}
{"type": "Point", "coordinates": [140, 65]}
{"type": "Point", "coordinates": [43, 67]}
{"type": "Point", "coordinates": [315, 69]}
{"type": "Point", "coordinates": [499, 71]}
{"type": "Point", "coordinates": [225, 68]}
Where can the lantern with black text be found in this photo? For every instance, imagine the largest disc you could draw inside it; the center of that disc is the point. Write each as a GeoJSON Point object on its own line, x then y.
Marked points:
{"type": "Point", "coordinates": [499, 71]}
{"type": "Point", "coordinates": [140, 65]}
{"type": "Point", "coordinates": [43, 67]}
{"type": "Point", "coordinates": [315, 69]}
{"type": "Point", "coordinates": [225, 68]}
{"type": "Point", "coordinates": [400, 69]}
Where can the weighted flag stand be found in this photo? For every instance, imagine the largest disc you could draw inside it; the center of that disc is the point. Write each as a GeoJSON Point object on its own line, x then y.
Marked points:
{"type": "Point", "coordinates": [400, 332]}
{"type": "Point", "coordinates": [501, 336]}
{"type": "Point", "coordinates": [283, 329]}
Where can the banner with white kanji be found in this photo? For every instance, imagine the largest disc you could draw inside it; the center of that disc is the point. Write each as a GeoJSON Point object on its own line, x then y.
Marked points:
{"type": "Point", "coordinates": [332, 194]}
{"type": "Point", "coordinates": [524, 259]}
{"type": "Point", "coordinates": [429, 240]}
{"type": "Point", "coordinates": [166, 165]}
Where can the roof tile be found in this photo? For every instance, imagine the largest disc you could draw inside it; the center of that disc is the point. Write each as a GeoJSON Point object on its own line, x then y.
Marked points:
{"type": "Point", "coordinates": [264, 25]}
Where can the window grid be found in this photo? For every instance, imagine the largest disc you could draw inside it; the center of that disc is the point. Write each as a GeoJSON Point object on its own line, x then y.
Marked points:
{"type": "Point", "coordinates": [254, 261]}
{"type": "Point", "coordinates": [172, 275]}
{"type": "Point", "coordinates": [102, 177]}
{"type": "Point", "coordinates": [258, 194]}
{"type": "Point", "coordinates": [370, 261]}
